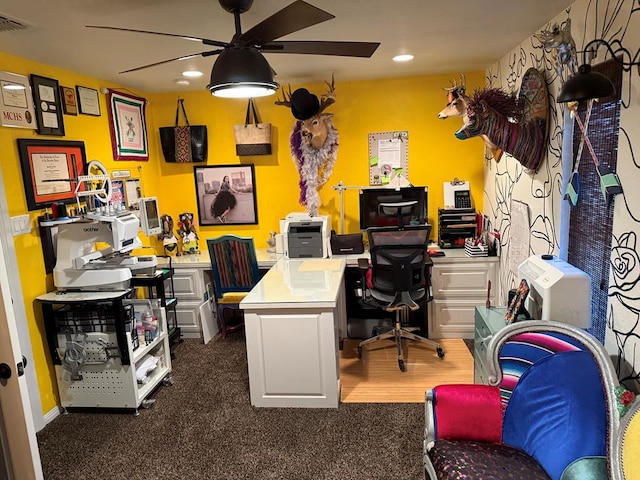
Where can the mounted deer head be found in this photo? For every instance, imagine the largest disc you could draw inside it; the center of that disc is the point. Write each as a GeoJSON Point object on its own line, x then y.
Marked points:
{"type": "Point", "coordinates": [306, 108]}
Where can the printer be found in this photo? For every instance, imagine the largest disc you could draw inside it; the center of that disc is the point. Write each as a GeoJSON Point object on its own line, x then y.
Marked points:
{"type": "Point", "coordinates": [557, 290]}
{"type": "Point", "coordinates": [306, 236]}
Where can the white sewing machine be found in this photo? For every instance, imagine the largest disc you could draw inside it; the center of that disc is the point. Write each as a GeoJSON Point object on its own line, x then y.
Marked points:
{"type": "Point", "coordinates": [81, 266]}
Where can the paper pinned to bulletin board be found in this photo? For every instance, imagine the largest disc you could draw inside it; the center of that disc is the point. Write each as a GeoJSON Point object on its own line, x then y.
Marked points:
{"type": "Point", "coordinates": [388, 156]}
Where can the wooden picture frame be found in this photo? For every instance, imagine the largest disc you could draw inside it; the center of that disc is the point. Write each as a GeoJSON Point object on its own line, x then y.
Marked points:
{"type": "Point", "coordinates": [88, 101]}
{"type": "Point", "coordinates": [16, 101]}
{"type": "Point", "coordinates": [214, 200]}
{"type": "Point", "coordinates": [127, 126]}
{"type": "Point", "coordinates": [69, 102]}
{"type": "Point", "coordinates": [48, 105]}
{"type": "Point", "coordinates": [50, 169]}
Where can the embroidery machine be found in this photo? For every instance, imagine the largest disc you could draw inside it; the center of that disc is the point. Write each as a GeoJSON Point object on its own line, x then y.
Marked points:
{"type": "Point", "coordinates": [80, 264]}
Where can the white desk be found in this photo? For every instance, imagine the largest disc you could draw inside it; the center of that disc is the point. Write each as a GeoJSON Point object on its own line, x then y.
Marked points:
{"type": "Point", "coordinates": [191, 275]}
{"type": "Point", "coordinates": [292, 318]}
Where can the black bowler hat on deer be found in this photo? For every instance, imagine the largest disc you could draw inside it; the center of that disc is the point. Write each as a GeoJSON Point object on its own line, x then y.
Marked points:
{"type": "Point", "coordinates": [304, 104]}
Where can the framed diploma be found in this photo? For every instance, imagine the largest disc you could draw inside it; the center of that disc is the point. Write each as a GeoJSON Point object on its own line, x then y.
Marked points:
{"type": "Point", "coordinates": [16, 104]}
{"type": "Point", "coordinates": [48, 106]}
{"type": "Point", "coordinates": [50, 169]}
{"type": "Point", "coordinates": [88, 101]}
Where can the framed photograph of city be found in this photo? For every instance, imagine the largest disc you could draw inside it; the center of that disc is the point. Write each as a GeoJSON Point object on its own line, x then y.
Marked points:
{"type": "Point", "coordinates": [226, 195]}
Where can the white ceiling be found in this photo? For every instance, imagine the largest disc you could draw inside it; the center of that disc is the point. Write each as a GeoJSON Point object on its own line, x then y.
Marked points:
{"type": "Point", "coordinates": [444, 36]}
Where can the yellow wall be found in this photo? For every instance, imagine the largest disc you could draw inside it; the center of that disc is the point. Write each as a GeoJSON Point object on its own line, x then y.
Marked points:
{"type": "Point", "coordinates": [363, 107]}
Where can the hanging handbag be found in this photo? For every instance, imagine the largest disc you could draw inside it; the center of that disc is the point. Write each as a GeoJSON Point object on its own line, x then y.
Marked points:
{"type": "Point", "coordinates": [184, 144]}
{"type": "Point", "coordinates": [252, 138]}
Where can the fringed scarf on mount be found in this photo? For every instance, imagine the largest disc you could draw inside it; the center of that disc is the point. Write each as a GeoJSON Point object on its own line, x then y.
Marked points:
{"type": "Point", "coordinates": [314, 165]}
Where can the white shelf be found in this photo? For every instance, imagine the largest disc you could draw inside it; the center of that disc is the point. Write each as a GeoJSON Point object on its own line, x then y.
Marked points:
{"type": "Point", "coordinates": [158, 374]}
{"type": "Point", "coordinates": [142, 350]}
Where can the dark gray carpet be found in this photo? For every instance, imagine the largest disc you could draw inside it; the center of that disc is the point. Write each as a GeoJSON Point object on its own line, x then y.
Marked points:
{"type": "Point", "coordinates": [204, 427]}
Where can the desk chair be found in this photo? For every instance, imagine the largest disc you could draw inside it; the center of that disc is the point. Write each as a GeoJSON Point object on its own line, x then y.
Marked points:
{"type": "Point", "coordinates": [398, 282]}
{"type": "Point", "coordinates": [235, 272]}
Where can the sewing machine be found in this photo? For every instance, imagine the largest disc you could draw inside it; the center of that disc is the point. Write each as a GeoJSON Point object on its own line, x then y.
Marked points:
{"type": "Point", "coordinates": [81, 265]}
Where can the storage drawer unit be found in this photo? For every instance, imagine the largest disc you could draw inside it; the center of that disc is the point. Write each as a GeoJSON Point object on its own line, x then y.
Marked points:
{"type": "Point", "coordinates": [459, 285]}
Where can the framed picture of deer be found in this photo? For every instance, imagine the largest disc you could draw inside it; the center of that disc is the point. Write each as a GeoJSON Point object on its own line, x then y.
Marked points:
{"type": "Point", "coordinates": [226, 194]}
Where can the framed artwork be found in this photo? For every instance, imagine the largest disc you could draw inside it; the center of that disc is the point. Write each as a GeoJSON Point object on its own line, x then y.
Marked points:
{"type": "Point", "coordinates": [16, 107]}
{"type": "Point", "coordinates": [128, 127]}
{"type": "Point", "coordinates": [517, 301]}
{"type": "Point", "coordinates": [88, 101]}
{"type": "Point", "coordinates": [133, 194]}
{"type": "Point", "coordinates": [226, 194]}
{"type": "Point", "coordinates": [117, 193]}
{"type": "Point", "coordinates": [48, 105]}
{"type": "Point", "coordinates": [69, 104]}
{"type": "Point", "coordinates": [50, 169]}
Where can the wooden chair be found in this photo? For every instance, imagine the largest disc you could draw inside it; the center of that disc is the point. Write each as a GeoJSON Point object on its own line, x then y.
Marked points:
{"type": "Point", "coordinates": [235, 272]}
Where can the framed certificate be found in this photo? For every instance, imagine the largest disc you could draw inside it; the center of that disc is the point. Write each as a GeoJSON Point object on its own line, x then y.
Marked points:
{"type": "Point", "coordinates": [88, 101]}
{"type": "Point", "coordinates": [50, 169]}
{"type": "Point", "coordinates": [46, 97]}
{"type": "Point", "coordinates": [16, 101]}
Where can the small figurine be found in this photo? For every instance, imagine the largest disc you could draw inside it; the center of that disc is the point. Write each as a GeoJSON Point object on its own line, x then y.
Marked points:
{"type": "Point", "coordinates": [271, 241]}
{"type": "Point", "coordinates": [188, 234]}
{"type": "Point", "coordinates": [169, 240]}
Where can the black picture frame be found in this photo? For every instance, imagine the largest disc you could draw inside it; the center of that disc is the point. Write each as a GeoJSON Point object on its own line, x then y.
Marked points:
{"type": "Point", "coordinates": [49, 168]}
{"type": "Point", "coordinates": [88, 101]}
{"type": "Point", "coordinates": [212, 204]}
{"type": "Point", "coordinates": [48, 105]}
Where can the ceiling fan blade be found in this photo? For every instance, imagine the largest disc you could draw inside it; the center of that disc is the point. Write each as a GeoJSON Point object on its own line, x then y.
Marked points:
{"type": "Point", "coordinates": [292, 18]}
{"type": "Point", "coordinates": [205, 41]}
{"type": "Point", "coordinates": [343, 49]}
{"type": "Point", "coordinates": [184, 57]}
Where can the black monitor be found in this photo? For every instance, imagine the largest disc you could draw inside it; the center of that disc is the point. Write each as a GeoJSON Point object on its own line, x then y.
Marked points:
{"type": "Point", "coordinates": [371, 198]}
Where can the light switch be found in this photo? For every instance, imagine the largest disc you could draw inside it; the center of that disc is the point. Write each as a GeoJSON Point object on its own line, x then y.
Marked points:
{"type": "Point", "coordinates": [20, 224]}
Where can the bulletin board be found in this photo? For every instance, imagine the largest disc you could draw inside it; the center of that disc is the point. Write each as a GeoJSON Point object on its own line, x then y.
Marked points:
{"type": "Point", "coordinates": [388, 156]}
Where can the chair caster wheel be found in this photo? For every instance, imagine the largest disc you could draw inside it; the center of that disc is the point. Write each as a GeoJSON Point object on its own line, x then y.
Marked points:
{"type": "Point", "coordinates": [403, 367]}
{"type": "Point", "coordinates": [359, 351]}
{"type": "Point", "coordinates": [440, 352]}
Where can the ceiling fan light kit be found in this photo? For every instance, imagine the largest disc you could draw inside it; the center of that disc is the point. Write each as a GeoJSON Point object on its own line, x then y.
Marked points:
{"type": "Point", "coordinates": [241, 73]}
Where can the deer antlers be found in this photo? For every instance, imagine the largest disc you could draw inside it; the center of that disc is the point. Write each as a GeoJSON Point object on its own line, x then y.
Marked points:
{"type": "Point", "coordinates": [286, 98]}
{"type": "Point", "coordinates": [455, 88]}
{"type": "Point", "coordinates": [326, 99]}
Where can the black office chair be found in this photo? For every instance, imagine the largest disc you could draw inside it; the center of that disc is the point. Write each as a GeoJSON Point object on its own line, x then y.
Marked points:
{"type": "Point", "coordinates": [398, 282]}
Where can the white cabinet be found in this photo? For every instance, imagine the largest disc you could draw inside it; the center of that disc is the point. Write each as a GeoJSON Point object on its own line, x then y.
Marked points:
{"type": "Point", "coordinates": [459, 285]}
{"type": "Point", "coordinates": [189, 288]}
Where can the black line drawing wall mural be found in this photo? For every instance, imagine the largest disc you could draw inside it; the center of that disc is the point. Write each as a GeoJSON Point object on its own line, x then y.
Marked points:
{"type": "Point", "coordinates": [615, 21]}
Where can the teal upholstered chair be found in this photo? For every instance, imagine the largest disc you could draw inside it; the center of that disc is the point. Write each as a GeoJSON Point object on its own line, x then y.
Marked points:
{"type": "Point", "coordinates": [235, 272]}
{"type": "Point", "coordinates": [550, 410]}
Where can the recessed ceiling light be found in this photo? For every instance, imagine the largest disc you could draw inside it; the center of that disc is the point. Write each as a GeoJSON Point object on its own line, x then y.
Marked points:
{"type": "Point", "coordinates": [403, 58]}
{"type": "Point", "coordinates": [182, 81]}
{"type": "Point", "coordinates": [192, 73]}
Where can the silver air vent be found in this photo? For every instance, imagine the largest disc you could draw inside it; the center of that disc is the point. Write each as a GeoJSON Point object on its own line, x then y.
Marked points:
{"type": "Point", "coordinates": [8, 25]}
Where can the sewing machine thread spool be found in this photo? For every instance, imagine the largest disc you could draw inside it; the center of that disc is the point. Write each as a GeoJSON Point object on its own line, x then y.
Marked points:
{"type": "Point", "coordinates": [59, 210]}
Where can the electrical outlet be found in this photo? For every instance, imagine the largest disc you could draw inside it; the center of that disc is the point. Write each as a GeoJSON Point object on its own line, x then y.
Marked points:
{"type": "Point", "coordinates": [20, 224]}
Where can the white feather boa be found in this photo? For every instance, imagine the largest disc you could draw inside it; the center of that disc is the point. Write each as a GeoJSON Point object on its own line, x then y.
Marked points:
{"type": "Point", "coordinates": [315, 165]}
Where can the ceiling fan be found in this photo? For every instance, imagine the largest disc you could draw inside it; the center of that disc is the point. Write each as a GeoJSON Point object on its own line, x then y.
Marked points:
{"type": "Point", "coordinates": [240, 70]}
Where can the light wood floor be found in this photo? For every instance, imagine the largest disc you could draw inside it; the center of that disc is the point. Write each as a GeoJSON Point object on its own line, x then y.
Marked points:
{"type": "Point", "coordinates": [376, 378]}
